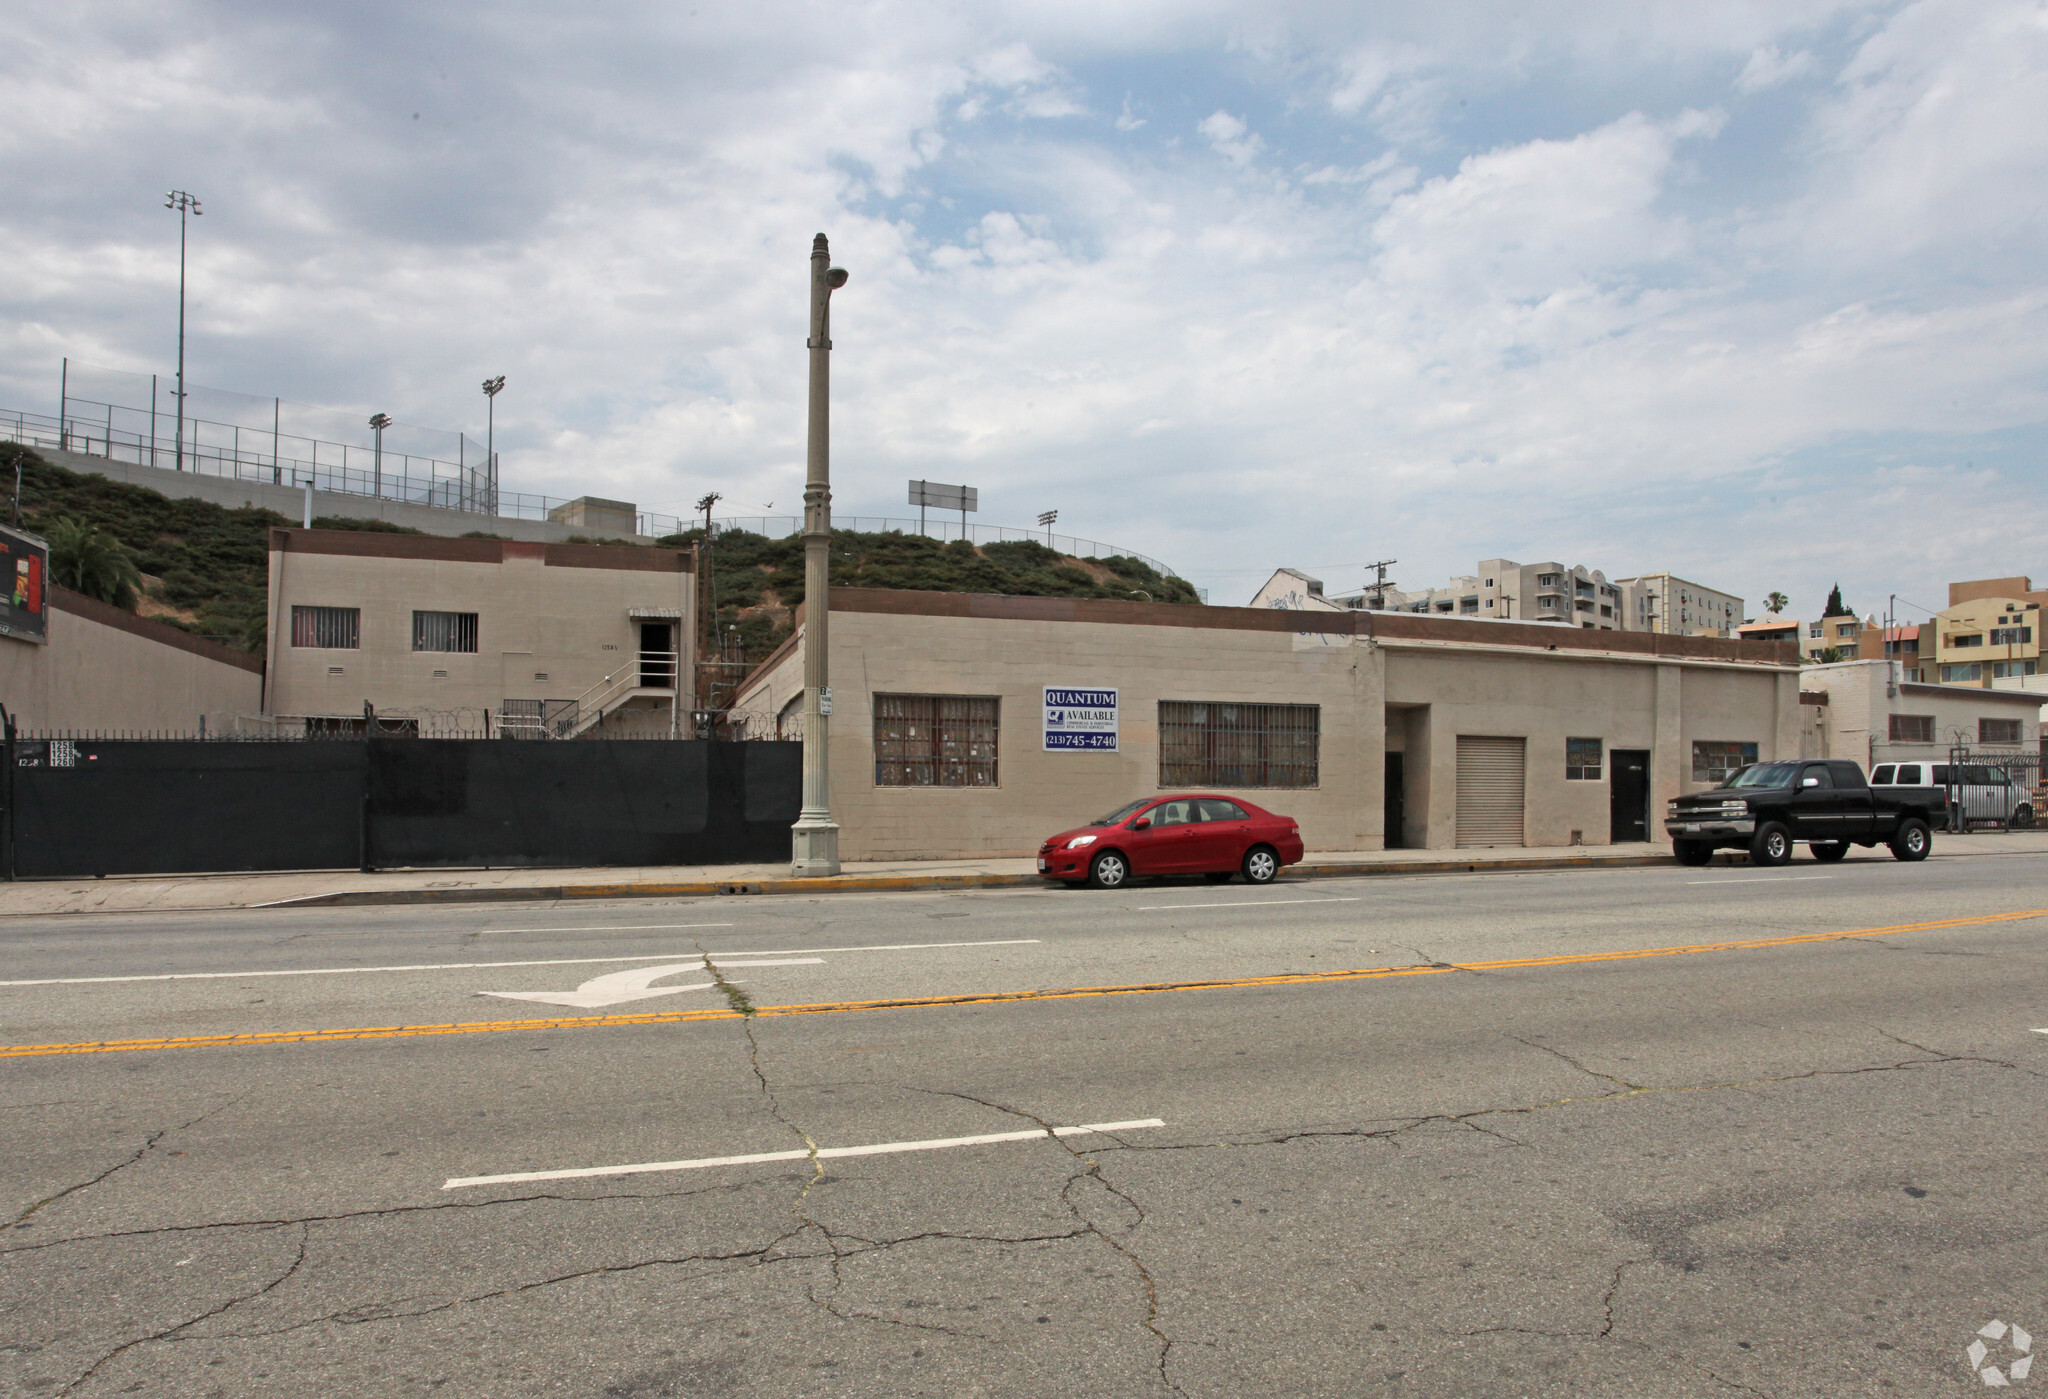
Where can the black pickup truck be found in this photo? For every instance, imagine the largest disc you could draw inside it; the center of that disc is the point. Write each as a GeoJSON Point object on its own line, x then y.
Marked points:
{"type": "Point", "coordinates": [1767, 806]}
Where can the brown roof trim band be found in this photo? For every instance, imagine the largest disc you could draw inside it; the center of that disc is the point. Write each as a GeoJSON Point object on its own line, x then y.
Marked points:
{"type": "Point", "coordinates": [434, 548]}
{"type": "Point", "coordinates": [1386, 625]}
{"type": "Point", "coordinates": [93, 610]}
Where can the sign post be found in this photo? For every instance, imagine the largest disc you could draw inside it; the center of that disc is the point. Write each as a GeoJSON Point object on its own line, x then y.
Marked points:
{"type": "Point", "coordinates": [943, 497]}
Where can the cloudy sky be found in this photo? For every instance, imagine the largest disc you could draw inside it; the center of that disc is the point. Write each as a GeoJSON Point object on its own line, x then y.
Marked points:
{"type": "Point", "coordinates": [1753, 292]}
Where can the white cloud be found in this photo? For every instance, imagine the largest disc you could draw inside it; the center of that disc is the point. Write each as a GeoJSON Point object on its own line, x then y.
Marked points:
{"type": "Point", "coordinates": [1229, 137]}
{"type": "Point", "coordinates": [1768, 68]}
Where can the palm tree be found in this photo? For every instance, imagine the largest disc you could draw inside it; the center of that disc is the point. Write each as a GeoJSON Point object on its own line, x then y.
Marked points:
{"type": "Point", "coordinates": [1775, 603]}
{"type": "Point", "coordinates": [86, 559]}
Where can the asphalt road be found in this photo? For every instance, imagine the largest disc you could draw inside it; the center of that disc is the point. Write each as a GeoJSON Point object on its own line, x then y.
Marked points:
{"type": "Point", "coordinates": [1525, 1134]}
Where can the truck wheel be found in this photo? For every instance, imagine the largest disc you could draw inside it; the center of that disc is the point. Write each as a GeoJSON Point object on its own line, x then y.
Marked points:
{"type": "Point", "coordinates": [1772, 845]}
{"type": "Point", "coordinates": [1829, 850]}
{"type": "Point", "coordinates": [2023, 817]}
{"type": "Point", "coordinates": [1692, 852]}
{"type": "Point", "coordinates": [1912, 842]}
{"type": "Point", "coordinates": [1108, 870]}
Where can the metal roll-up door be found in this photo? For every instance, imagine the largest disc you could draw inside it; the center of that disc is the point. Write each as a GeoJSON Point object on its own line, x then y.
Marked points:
{"type": "Point", "coordinates": [1490, 790]}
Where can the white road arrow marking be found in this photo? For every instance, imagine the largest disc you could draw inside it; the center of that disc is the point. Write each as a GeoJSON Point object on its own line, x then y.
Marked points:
{"type": "Point", "coordinates": [636, 984]}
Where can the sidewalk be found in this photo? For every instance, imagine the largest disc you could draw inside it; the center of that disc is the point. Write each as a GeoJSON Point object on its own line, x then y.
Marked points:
{"type": "Point", "coordinates": [158, 893]}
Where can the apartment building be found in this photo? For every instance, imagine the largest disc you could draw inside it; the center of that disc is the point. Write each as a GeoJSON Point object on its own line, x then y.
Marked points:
{"type": "Point", "coordinates": [1664, 602]}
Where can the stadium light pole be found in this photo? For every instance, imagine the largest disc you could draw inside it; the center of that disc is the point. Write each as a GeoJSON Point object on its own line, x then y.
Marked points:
{"type": "Point", "coordinates": [491, 390]}
{"type": "Point", "coordinates": [184, 203]}
{"type": "Point", "coordinates": [1046, 519]}
{"type": "Point", "coordinates": [814, 838]}
{"type": "Point", "coordinates": [378, 423]}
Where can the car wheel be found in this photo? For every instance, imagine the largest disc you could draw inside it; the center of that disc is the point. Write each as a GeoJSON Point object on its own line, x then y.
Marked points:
{"type": "Point", "coordinates": [1220, 876]}
{"type": "Point", "coordinates": [1109, 870]}
{"type": "Point", "coordinates": [1772, 845]}
{"type": "Point", "coordinates": [1912, 841]}
{"type": "Point", "coordinates": [1829, 850]}
{"type": "Point", "coordinates": [2023, 817]}
{"type": "Point", "coordinates": [1261, 864]}
{"type": "Point", "coordinates": [1692, 852]}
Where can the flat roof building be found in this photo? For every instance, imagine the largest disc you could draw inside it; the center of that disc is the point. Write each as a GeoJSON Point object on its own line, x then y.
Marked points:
{"type": "Point", "coordinates": [478, 634]}
{"type": "Point", "coordinates": [954, 719]}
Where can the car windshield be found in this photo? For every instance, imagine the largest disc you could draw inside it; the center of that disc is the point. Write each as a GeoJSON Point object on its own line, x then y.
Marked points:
{"type": "Point", "coordinates": [1764, 775]}
{"type": "Point", "coordinates": [1125, 812]}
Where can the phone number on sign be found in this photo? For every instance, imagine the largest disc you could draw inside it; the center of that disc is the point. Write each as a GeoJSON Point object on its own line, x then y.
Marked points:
{"type": "Point", "coordinates": [1080, 740]}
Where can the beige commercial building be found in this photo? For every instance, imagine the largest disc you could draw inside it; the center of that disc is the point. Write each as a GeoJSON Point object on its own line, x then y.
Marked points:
{"type": "Point", "coordinates": [967, 724]}
{"type": "Point", "coordinates": [103, 670]}
{"type": "Point", "coordinates": [1674, 606]}
{"type": "Point", "coordinates": [474, 635]}
{"type": "Point", "coordinates": [1876, 714]}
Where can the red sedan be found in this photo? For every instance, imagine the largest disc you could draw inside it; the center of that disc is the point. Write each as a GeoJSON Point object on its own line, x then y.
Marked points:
{"type": "Point", "coordinates": [1201, 834]}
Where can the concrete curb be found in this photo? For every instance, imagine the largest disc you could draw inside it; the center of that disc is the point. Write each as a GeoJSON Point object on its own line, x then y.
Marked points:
{"type": "Point", "coordinates": [894, 883]}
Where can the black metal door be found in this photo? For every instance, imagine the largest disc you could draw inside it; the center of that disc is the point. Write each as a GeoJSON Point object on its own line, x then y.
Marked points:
{"type": "Point", "coordinates": [657, 656]}
{"type": "Point", "coordinates": [1396, 805]}
{"type": "Point", "coordinates": [1628, 795]}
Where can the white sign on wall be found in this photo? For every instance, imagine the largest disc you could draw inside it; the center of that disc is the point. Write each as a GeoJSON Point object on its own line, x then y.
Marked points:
{"type": "Point", "coordinates": [1080, 720]}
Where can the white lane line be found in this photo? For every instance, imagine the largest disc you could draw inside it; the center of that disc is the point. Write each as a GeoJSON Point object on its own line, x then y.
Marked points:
{"type": "Point", "coordinates": [612, 928]}
{"type": "Point", "coordinates": [1768, 879]}
{"type": "Point", "coordinates": [756, 1158]}
{"type": "Point", "coordinates": [472, 966]}
{"type": "Point", "coordinates": [1247, 903]}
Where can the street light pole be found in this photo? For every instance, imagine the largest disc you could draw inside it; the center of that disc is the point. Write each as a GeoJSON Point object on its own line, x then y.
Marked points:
{"type": "Point", "coordinates": [181, 201]}
{"type": "Point", "coordinates": [491, 388]}
{"type": "Point", "coordinates": [815, 836]}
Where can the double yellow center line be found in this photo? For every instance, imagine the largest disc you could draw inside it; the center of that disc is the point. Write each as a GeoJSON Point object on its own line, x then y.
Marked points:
{"type": "Point", "coordinates": [596, 1022]}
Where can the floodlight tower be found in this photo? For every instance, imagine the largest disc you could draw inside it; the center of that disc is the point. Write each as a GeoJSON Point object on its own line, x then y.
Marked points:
{"type": "Point", "coordinates": [492, 387]}
{"type": "Point", "coordinates": [185, 204]}
{"type": "Point", "coordinates": [378, 424]}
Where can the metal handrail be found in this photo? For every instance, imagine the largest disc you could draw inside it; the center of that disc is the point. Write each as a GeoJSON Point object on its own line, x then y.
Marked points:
{"type": "Point", "coordinates": [597, 701]}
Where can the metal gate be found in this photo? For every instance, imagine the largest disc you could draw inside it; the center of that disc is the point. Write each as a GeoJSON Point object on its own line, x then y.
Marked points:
{"type": "Point", "coordinates": [183, 806]}
{"type": "Point", "coordinates": [1491, 790]}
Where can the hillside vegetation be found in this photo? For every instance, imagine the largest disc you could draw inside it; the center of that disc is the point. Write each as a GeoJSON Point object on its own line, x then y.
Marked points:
{"type": "Point", "coordinates": [756, 581]}
{"type": "Point", "coordinates": [205, 568]}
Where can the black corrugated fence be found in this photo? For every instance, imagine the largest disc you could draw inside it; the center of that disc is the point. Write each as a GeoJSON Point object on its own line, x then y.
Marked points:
{"type": "Point", "coordinates": [117, 806]}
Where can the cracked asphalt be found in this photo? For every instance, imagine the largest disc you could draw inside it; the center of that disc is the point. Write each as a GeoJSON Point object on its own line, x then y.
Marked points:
{"type": "Point", "coordinates": [1813, 1168]}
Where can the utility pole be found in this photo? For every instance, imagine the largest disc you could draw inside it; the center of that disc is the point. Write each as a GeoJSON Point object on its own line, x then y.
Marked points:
{"type": "Point", "coordinates": [181, 201]}
{"type": "Point", "coordinates": [379, 423]}
{"type": "Point", "coordinates": [815, 837]}
{"type": "Point", "coordinates": [1379, 585]}
{"type": "Point", "coordinates": [707, 591]}
{"type": "Point", "coordinates": [491, 389]}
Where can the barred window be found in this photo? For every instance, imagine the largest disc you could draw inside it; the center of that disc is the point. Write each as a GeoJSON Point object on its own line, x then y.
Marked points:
{"type": "Point", "coordinates": [330, 628]}
{"type": "Point", "coordinates": [444, 631]}
{"type": "Point", "coordinates": [1238, 745]}
{"type": "Point", "coordinates": [1912, 728]}
{"type": "Point", "coordinates": [1716, 761]}
{"type": "Point", "coordinates": [1998, 731]}
{"type": "Point", "coordinates": [936, 740]}
{"type": "Point", "coordinates": [1582, 759]}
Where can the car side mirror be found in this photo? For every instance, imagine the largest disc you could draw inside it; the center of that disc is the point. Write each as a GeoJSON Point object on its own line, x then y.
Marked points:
{"type": "Point", "coordinates": [1811, 782]}
{"type": "Point", "coordinates": [1144, 825]}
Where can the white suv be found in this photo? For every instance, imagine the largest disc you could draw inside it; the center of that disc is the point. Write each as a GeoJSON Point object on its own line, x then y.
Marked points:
{"type": "Point", "coordinates": [1983, 793]}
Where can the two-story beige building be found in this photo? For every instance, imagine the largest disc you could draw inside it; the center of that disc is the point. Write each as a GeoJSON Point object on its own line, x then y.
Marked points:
{"type": "Point", "coordinates": [478, 635]}
{"type": "Point", "coordinates": [976, 725]}
{"type": "Point", "coordinates": [1991, 630]}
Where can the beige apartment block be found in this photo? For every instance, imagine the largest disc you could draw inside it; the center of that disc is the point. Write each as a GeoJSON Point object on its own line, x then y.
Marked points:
{"type": "Point", "coordinates": [104, 670]}
{"type": "Point", "coordinates": [1988, 637]}
{"type": "Point", "coordinates": [940, 720]}
{"type": "Point", "coordinates": [1876, 714]}
{"type": "Point", "coordinates": [1672, 606]}
{"type": "Point", "coordinates": [462, 633]}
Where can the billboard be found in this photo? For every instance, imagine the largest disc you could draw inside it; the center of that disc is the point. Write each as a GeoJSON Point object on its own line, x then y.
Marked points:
{"type": "Point", "coordinates": [1079, 720]}
{"type": "Point", "coordinates": [25, 591]}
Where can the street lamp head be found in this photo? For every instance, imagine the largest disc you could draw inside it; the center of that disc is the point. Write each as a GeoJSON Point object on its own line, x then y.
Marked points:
{"type": "Point", "coordinates": [491, 386]}
{"type": "Point", "coordinates": [381, 421]}
{"type": "Point", "coordinates": [836, 278]}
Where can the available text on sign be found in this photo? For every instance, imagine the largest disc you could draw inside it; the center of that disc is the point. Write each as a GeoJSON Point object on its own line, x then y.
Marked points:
{"type": "Point", "coordinates": [1080, 719]}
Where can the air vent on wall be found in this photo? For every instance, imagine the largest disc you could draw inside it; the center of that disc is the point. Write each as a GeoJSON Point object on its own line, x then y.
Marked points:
{"type": "Point", "coordinates": [440, 675]}
{"type": "Point", "coordinates": [540, 675]}
{"type": "Point", "coordinates": [334, 670]}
